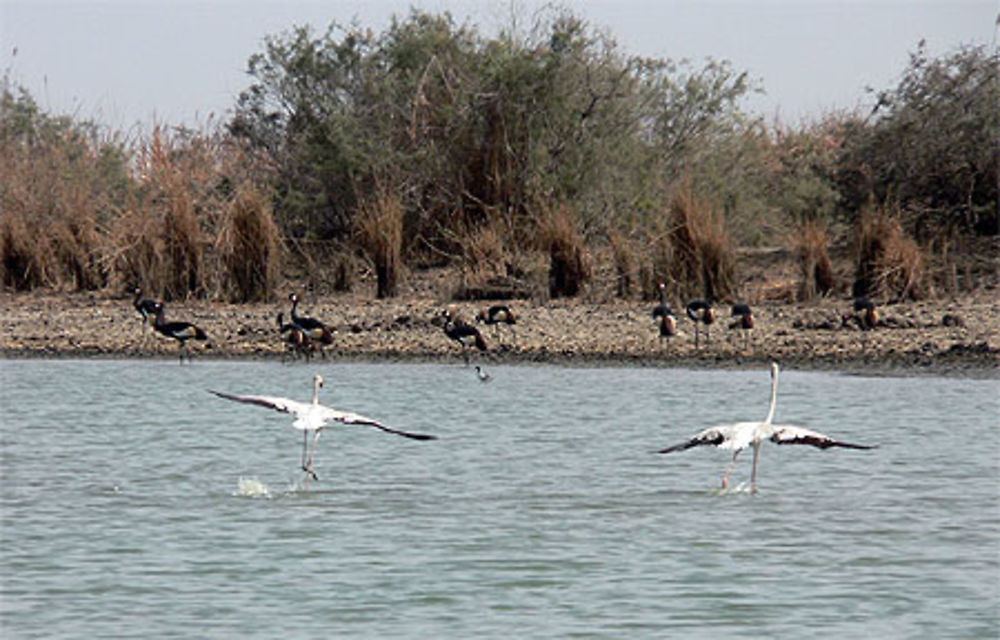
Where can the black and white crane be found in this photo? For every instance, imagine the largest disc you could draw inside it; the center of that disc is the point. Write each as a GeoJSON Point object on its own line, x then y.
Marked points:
{"type": "Point", "coordinates": [742, 321]}
{"type": "Point", "coordinates": [146, 308]}
{"type": "Point", "coordinates": [313, 418]}
{"type": "Point", "coordinates": [700, 312]}
{"type": "Point", "coordinates": [179, 331]}
{"type": "Point", "coordinates": [297, 343]}
{"type": "Point", "coordinates": [664, 315]}
{"type": "Point", "coordinates": [317, 332]}
{"type": "Point", "coordinates": [497, 315]}
{"type": "Point", "coordinates": [465, 334]}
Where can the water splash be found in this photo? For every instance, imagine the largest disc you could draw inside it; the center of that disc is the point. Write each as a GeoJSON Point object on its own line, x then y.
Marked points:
{"type": "Point", "coordinates": [252, 488]}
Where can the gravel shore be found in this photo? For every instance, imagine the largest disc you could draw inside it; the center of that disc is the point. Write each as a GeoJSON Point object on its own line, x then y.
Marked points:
{"type": "Point", "coordinates": [936, 336]}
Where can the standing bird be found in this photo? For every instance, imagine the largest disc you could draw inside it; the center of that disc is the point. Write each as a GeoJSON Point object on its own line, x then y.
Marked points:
{"type": "Point", "coordinates": [179, 331]}
{"type": "Point", "coordinates": [316, 331]}
{"type": "Point", "coordinates": [665, 315]}
{"type": "Point", "coordinates": [865, 315]}
{"type": "Point", "coordinates": [314, 417]}
{"type": "Point", "coordinates": [700, 312]}
{"type": "Point", "coordinates": [496, 315]}
{"type": "Point", "coordinates": [146, 309]}
{"type": "Point", "coordinates": [296, 341]}
{"type": "Point", "coordinates": [737, 437]}
{"type": "Point", "coordinates": [743, 322]}
{"type": "Point", "coordinates": [463, 333]}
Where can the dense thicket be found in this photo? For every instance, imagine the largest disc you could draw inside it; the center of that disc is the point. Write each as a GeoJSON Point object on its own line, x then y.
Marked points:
{"type": "Point", "coordinates": [432, 143]}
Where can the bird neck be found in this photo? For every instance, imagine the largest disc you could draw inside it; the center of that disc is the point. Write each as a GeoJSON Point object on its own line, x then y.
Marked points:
{"type": "Point", "coordinates": [774, 399]}
{"type": "Point", "coordinates": [316, 392]}
{"type": "Point", "coordinates": [295, 306]}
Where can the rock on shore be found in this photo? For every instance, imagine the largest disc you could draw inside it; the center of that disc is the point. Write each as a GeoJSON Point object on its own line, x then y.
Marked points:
{"type": "Point", "coordinates": [934, 335]}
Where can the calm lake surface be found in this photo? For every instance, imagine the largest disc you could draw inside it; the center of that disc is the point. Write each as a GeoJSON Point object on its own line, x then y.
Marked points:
{"type": "Point", "coordinates": [135, 504]}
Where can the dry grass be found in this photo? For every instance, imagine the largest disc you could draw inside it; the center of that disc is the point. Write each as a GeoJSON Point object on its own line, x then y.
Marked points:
{"type": "Point", "coordinates": [626, 270]}
{"type": "Point", "coordinates": [250, 247]}
{"type": "Point", "coordinates": [569, 266]}
{"type": "Point", "coordinates": [810, 244]}
{"type": "Point", "coordinates": [379, 231]}
{"type": "Point", "coordinates": [703, 260]}
{"type": "Point", "coordinates": [889, 263]}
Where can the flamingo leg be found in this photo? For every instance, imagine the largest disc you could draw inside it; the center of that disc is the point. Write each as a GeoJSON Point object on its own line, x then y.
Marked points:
{"type": "Point", "coordinates": [312, 454]}
{"type": "Point", "coordinates": [729, 469]}
{"type": "Point", "coordinates": [305, 445]}
{"type": "Point", "coordinates": [753, 474]}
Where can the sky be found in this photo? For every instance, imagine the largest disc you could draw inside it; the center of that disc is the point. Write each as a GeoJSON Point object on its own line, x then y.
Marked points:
{"type": "Point", "coordinates": [128, 64]}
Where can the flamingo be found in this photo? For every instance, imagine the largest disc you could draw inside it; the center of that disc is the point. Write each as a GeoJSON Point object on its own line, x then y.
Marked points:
{"type": "Point", "coordinates": [314, 417]}
{"type": "Point", "coordinates": [737, 437]}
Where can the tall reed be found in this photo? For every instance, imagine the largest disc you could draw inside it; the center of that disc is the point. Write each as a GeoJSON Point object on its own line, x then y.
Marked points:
{"type": "Point", "coordinates": [810, 243]}
{"type": "Point", "coordinates": [569, 265]}
{"type": "Point", "coordinates": [379, 230]}
{"type": "Point", "coordinates": [703, 261]}
{"type": "Point", "coordinates": [888, 262]}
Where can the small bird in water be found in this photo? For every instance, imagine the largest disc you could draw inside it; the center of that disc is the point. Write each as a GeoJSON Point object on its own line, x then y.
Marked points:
{"type": "Point", "coordinates": [482, 375]}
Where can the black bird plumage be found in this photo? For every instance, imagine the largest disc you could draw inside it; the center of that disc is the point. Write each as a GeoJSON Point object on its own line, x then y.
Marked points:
{"type": "Point", "coordinates": [178, 330]}
{"type": "Point", "coordinates": [700, 312]}
{"type": "Point", "coordinates": [462, 332]}
{"type": "Point", "coordinates": [315, 330]}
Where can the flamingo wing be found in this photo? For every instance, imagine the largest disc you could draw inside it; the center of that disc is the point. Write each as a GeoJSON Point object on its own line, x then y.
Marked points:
{"type": "Point", "coordinates": [346, 417]}
{"type": "Point", "coordinates": [714, 436]}
{"type": "Point", "coordinates": [787, 434]}
{"type": "Point", "coordinates": [283, 405]}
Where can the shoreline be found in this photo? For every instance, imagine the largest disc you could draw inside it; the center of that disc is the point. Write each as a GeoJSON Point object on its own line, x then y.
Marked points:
{"type": "Point", "coordinates": [912, 339]}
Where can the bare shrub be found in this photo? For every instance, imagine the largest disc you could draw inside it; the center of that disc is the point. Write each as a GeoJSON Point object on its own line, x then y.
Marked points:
{"type": "Point", "coordinates": [23, 256]}
{"type": "Point", "coordinates": [569, 267]}
{"type": "Point", "coordinates": [703, 260]}
{"type": "Point", "coordinates": [626, 269]}
{"type": "Point", "coordinates": [889, 263]}
{"type": "Point", "coordinates": [379, 229]}
{"type": "Point", "coordinates": [249, 245]}
{"type": "Point", "coordinates": [810, 244]}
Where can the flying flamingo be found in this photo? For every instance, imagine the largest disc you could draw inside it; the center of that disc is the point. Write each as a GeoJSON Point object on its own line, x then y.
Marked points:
{"type": "Point", "coordinates": [737, 437]}
{"type": "Point", "coordinates": [314, 417]}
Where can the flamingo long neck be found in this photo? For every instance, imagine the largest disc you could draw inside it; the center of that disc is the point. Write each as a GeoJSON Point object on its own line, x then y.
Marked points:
{"type": "Point", "coordinates": [315, 392]}
{"type": "Point", "coordinates": [774, 398]}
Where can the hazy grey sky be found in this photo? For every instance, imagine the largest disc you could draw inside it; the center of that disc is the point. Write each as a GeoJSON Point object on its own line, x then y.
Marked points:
{"type": "Point", "coordinates": [177, 62]}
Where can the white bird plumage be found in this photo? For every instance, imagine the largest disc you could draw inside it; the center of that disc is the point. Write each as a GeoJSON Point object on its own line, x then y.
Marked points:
{"type": "Point", "coordinates": [313, 418]}
{"type": "Point", "coordinates": [737, 437]}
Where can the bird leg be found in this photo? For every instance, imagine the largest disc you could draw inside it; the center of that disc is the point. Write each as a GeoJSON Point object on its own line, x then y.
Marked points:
{"type": "Point", "coordinates": [729, 469]}
{"type": "Point", "coordinates": [753, 474]}
{"type": "Point", "coordinates": [308, 466]}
